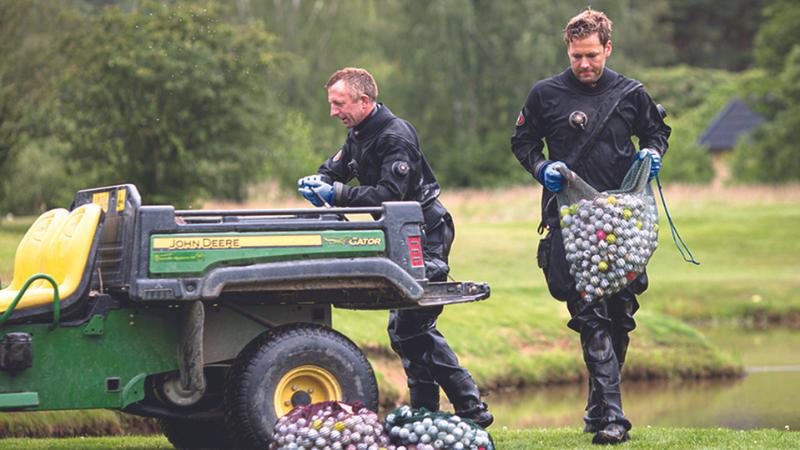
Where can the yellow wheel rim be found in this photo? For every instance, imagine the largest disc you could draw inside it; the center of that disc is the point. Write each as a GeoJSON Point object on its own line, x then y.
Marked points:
{"type": "Point", "coordinates": [305, 383]}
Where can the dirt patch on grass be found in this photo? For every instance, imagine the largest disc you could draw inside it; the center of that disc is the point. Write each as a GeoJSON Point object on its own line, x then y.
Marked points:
{"type": "Point", "coordinates": [537, 342]}
{"type": "Point", "coordinates": [391, 370]}
{"type": "Point", "coordinates": [64, 424]}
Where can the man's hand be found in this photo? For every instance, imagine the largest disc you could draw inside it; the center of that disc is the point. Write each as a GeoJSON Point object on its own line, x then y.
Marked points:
{"type": "Point", "coordinates": [552, 177]}
{"type": "Point", "coordinates": [316, 191]}
{"type": "Point", "coordinates": [655, 161]}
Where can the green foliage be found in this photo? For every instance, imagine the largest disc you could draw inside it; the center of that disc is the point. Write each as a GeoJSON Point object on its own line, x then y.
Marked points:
{"type": "Point", "coordinates": [198, 98]}
{"type": "Point", "coordinates": [15, 73]}
{"type": "Point", "coordinates": [771, 155]}
{"type": "Point", "coordinates": [317, 39]}
{"type": "Point", "coordinates": [28, 31]}
{"type": "Point", "coordinates": [478, 60]}
{"type": "Point", "coordinates": [38, 177]}
{"type": "Point", "coordinates": [687, 161]}
{"type": "Point", "coordinates": [171, 98]}
{"type": "Point", "coordinates": [688, 94]}
{"type": "Point", "coordinates": [777, 35]}
{"type": "Point", "coordinates": [293, 154]}
{"type": "Point", "coordinates": [712, 34]}
{"type": "Point", "coordinates": [681, 88]}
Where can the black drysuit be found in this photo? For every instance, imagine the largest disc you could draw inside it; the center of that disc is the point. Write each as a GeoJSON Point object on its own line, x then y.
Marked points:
{"type": "Point", "coordinates": [383, 153]}
{"type": "Point", "coordinates": [600, 152]}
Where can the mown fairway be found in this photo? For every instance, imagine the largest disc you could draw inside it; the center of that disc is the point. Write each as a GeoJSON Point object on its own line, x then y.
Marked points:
{"type": "Point", "coordinates": [747, 241]}
{"type": "Point", "coordinates": [744, 238]}
{"type": "Point", "coordinates": [554, 438]}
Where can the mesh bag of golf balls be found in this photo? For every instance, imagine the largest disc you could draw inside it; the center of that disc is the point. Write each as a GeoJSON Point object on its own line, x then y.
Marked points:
{"type": "Point", "coordinates": [420, 429]}
{"type": "Point", "coordinates": [330, 425]}
{"type": "Point", "coordinates": [608, 236]}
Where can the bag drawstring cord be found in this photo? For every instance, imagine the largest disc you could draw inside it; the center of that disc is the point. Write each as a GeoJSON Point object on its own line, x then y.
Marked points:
{"type": "Point", "coordinates": [675, 235]}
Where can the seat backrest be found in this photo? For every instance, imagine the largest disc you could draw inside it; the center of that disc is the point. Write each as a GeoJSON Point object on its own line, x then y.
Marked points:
{"type": "Point", "coordinates": [66, 259]}
{"type": "Point", "coordinates": [30, 256]}
{"type": "Point", "coordinates": [116, 252]}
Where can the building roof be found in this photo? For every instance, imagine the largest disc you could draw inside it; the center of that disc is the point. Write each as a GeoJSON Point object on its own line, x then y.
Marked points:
{"type": "Point", "coordinates": [734, 120]}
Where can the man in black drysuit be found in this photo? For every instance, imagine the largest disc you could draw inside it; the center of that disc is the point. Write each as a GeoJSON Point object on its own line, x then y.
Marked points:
{"type": "Point", "coordinates": [587, 115]}
{"type": "Point", "coordinates": [382, 151]}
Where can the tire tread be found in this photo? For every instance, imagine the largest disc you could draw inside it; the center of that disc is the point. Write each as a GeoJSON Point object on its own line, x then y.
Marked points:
{"type": "Point", "coordinates": [246, 365]}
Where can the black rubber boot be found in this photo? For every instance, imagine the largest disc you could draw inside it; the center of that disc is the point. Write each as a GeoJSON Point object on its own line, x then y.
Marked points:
{"type": "Point", "coordinates": [604, 328]}
{"type": "Point", "coordinates": [479, 414]}
{"type": "Point", "coordinates": [604, 371]}
{"type": "Point", "coordinates": [593, 420]}
{"type": "Point", "coordinates": [462, 391]}
{"type": "Point", "coordinates": [424, 395]}
{"type": "Point", "coordinates": [611, 434]}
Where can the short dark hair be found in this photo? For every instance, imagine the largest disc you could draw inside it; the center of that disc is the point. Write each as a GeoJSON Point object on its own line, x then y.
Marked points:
{"type": "Point", "coordinates": [359, 81]}
{"type": "Point", "coordinates": [586, 23]}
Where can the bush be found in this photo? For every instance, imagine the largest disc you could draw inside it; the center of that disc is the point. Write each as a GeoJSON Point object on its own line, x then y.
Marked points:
{"type": "Point", "coordinates": [771, 155]}
{"type": "Point", "coordinates": [38, 179]}
{"type": "Point", "coordinates": [170, 97]}
{"type": "Point", "coordinates": [681, 88]}
{"type": "Point", "coordinates": [687, 161]}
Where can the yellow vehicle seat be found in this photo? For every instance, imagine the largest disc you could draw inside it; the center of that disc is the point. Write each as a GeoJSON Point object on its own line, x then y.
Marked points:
{"type": "Point", "coordinates": [63, 254]}
{"type": "Point", "coordinates": [29, 259]}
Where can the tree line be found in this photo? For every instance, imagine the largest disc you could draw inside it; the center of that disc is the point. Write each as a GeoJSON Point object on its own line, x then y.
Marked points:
{"type": "Point", "coordinates": [198, 99]}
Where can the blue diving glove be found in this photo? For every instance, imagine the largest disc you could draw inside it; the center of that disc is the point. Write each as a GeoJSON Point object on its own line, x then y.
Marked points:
{"type": "Point", "coordinates": [317, 192]}
{"type": "Point", "coordinates": [655, 161]}
{"type": "Point", "coordinates": [552, 177]}
{"type": "Point", "coordinates": [316, 178]}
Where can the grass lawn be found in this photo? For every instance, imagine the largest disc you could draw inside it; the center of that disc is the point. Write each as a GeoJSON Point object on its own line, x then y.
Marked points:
{"type": "Point", "coordinates": [552, 438]}
{"type": "Point", "coordinates": [650, 438]}
{"type": "Point", "coordinates": [746, 239]}
{"type": "Point", "coordinates": [743, 237]}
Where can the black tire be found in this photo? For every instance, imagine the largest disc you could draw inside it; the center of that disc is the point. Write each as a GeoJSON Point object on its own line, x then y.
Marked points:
{"type": "Point", "coordinates": [195, 434]}
{"type": "Point", "coordinates": [265, 366]}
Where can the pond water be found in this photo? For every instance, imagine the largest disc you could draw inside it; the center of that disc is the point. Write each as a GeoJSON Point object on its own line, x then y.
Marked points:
{"type": "Point", "coordinates": [768, 397]}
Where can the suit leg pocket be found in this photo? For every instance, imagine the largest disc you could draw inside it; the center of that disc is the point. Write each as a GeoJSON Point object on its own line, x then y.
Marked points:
{"type": "Point", "coordinates": [552, 260]}
{"type": "Point", "coordinates": [543, 252]}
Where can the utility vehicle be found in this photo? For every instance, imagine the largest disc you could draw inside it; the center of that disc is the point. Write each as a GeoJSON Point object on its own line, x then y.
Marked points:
{"type": "Point", "coordinates": [216, 322]}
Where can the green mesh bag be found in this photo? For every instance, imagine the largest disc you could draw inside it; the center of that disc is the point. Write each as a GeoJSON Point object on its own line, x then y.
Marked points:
{"type": "Point", "coordinates": [421, 429]}
{"type": "Point", "coordinates": [608, 236]}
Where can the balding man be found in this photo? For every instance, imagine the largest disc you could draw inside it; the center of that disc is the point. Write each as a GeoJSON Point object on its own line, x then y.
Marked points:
{"type": "Point", "coordinates": [382, 151]}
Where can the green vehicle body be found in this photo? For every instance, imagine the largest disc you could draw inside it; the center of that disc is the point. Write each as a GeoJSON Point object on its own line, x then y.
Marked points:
{"type": "Point", "coordinates": [173, 299]}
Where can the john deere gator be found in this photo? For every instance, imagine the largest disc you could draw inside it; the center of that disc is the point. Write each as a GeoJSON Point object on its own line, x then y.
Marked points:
{"type": "Point", "coordinates": [215, 322]}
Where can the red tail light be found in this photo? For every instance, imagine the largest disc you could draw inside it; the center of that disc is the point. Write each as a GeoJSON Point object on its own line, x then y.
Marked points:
{"type": "Point", "coordinates": [415, 251]}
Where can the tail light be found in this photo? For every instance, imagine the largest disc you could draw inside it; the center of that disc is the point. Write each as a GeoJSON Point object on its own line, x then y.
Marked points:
{"type": "Point", "coordinates": [415, 251]}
